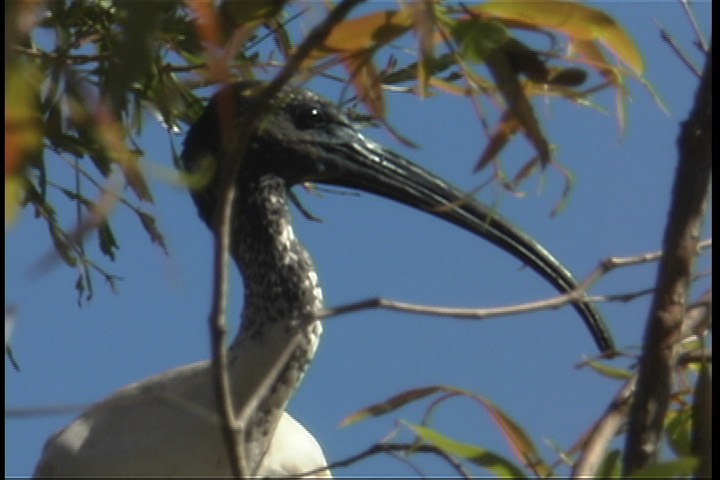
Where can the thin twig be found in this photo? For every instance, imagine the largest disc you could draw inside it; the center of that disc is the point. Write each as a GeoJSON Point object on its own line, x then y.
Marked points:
{"type": "Point", "coordinates": [698, 316]}
{"type": "Point", "coordinates": [218, 330]}
{"type": "Point", "coordinates": [577, 295]}
{"type": "Point", "coordinates": [699, 37]}
{"type": "Point", "coordinates": [667, 38]}
{"type": "Point", "coordinates": [104, 190]}
{"type": "Point", "coordinates": [396, 447]}
{"type": "Point", "coordinates": [612, 263]}
{"type": "Point", "coordinates": [77, 58]}
{"type": "Point", "coordinates": [11, 356]}
{"type": "Point", "coordinates": [49, 411]}
{"type": "Point", "coordinates": [634, 295]}
{"type": "Point", "coordinates": [72, 241]}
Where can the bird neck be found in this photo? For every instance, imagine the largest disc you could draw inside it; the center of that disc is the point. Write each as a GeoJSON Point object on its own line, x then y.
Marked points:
{"type": "Point", "coordinates": [278, 336]}
{"type": "Point", "coordinates": [281, 284]}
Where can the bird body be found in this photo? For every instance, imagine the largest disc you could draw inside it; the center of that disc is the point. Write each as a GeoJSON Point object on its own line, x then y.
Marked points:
{"type": "Point", "coordinates": [172, 410]}
{"type": "Point", "coordinates": [168, 424]}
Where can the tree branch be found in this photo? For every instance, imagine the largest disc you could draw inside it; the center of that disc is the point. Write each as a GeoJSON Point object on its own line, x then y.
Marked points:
{"type": "Point", "coordinates": [577, 295]}
{"type": "Point", "coordinates": [604, 431]}
{"type": "Point", "coordinates": [401, 448]}
{"type": "Point", "coordinates": [596, 443]}
{"type": "Point", "coordinates": [663, 330]}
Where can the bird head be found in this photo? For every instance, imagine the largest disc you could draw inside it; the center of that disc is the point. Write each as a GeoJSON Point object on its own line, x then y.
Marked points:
{"type": "Point", "coordinates": [303, 137]}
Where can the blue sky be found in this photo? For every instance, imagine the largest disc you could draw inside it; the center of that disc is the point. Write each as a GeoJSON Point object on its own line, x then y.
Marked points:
{"type": "Point", "coordinates": [369, 247]}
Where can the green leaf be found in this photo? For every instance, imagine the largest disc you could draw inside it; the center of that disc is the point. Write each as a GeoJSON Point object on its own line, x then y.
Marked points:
{"type": "Point", "coordinates": [610, 466]}
{"type": "Point", "coordinates": [150, 225]}
{"type": "Point", "coordinates": [608, 371]}
{"type": "Point", "coordinates": [701, 436]}
{"type": "Point", "coordinates": [476, 39]}
{"type": "Point", "coordinates": [241, 13]}
{"type": "Point", "coordinates": [74, 196]}
{"type": "Point", "coordinates": [108, 243]}
{"type": "Point", "coordinates": [682, 467]}
{"type": "Point", "coordinates": [678, 428]}
{"type": "Point", "coordinates": [493, 462]}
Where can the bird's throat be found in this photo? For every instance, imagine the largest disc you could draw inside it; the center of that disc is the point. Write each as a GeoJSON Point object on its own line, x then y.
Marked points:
{"type": "Point", "coordinates": [278, 335]}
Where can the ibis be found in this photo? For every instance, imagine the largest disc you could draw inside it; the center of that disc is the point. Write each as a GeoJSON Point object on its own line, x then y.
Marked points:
{"type": "Point", "coordinates": [168, 425]}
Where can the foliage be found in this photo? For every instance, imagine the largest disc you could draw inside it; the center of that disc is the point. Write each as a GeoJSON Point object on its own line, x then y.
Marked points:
{"type": "Point", "coordinates": [84, 77]}
{"type": "Point", "coordinates": [691, 407]}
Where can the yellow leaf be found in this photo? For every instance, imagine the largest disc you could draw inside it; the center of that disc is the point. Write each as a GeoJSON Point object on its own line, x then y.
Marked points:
{"type": "Point", "coordinates": [367, 83]}
{"type": "Point", "coordinates": [14, 192]}
{"type": "Point", "coordinates": [392, 404]}
{"type": "Point", "coordinates": [111, 133]}
{"type": "Point", "coordinates": [241, 13]}
{"type": "Point", "coordinates": [608, 371]}
{"type": "Point", "coordinates": [592, 54]}
{"type": "Point", "coordinates": [509, 125]}
{"type": "Point", "coordinates": [450, 87]}
{"type": "Point", "coordinates": [575, 20]}
{"type": "Point", "coordinates": [365, 33]}
{"type": "Point", "coordinates": [424, 16]}
{"type": "Point", "coordinates": [23, 123]}
{"type": "Point", "coordinates": [520, 442]}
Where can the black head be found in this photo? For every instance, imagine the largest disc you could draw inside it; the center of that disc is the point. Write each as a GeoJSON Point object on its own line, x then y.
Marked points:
{"type": "Point", "coordinates": [300, 139]}
{"type": "Point", "coordinates": [305, 138]}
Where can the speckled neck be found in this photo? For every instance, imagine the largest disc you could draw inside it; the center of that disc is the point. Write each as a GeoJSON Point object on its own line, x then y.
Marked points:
{"type": "Point", "coordinates": [281, 283]}
{"type": "Point", "coordinates": [281, 289]}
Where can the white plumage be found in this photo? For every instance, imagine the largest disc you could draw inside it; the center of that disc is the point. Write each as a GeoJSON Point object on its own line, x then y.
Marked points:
{"type": "Point", "coordinates": [166, 426]}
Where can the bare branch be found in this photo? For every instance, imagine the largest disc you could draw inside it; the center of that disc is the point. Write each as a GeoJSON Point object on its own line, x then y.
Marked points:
{"type": "Point", "coordinates": [698, 316]}
{"type": "Point", "coordinates": [667, 38]}
{"type": "Point", "coordinates": [596, 444]}
{"type": "Point", "coordinates": [402, 448]}
{"type": "Point", "coordinates": [699, 37]}
{"type": "Point", "coordinates": [604, 431]}
{"type": "Point", "coordinates": [612, 263]}
{"type": "Point", "coordinates": [575, 296]}
{"type": "Point", "coordinates": [664, 323]}
{"type": "Point", "coordinates": [49, 411]}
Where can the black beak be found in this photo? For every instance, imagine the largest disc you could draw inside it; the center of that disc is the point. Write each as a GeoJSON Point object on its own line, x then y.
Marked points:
{"type": "Point", "coordinates": [342, 156]}
{"type": "Point", "coordinates": [304, 138]}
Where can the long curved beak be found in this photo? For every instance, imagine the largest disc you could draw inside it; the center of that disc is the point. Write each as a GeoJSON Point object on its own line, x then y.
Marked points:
{"type": "Point", "coordinates": [346, 158]}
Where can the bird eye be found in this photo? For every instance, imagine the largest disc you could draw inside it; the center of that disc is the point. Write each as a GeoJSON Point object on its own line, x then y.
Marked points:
{"type": "Point", "coordinates": [309, 117]}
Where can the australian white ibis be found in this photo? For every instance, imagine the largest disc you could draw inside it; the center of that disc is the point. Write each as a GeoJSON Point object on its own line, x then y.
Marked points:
{"type": "Point", "coordinates": [168, 424]}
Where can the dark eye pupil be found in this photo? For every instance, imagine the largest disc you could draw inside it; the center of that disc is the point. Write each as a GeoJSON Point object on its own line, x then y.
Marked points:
{"type": "Point", "coordinates": [309, 118]}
